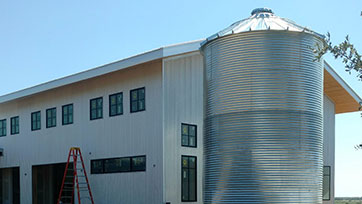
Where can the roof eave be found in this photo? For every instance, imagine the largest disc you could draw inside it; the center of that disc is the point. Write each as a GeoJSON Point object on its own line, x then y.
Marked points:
{"type": "Point", "coordinates": [345, 99]}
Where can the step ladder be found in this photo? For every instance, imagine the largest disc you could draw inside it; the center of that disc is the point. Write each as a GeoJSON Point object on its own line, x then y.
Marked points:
{"type": "Point", "coordinates": [75, 176]}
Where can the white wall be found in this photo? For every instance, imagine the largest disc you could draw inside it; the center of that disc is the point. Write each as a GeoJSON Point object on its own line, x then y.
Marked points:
{"type": "Point", "coordinates": [183, 103]}
{"type": "Point", "coordinates": [329, 141]}
{"type": "Point", "coordinates": [126, 135]}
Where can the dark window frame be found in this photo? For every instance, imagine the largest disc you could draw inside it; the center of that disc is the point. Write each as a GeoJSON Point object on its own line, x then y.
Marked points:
{"type": "Point", "coordinates": [96, 108]}
{"type": "Point", "coordinates": [144, 100]}
{"type": "Point", "coordinates": [53, 117]}
{"type": "Point", "coordinates": [110, 105]}
{"type": "Point", "coordinates": [3, 129]}
{"type": "Point", "coordinates": [135, 170]}
{"type": "Point", "coordinates": [329, 181]}
{"type": "Point", "coordinates": [68, 115]}
{"type": "Point", "coordinates": [111, 172]}
{"type": "Point", "coordinates": [115, 171]}
{"type": "Point", "coordinates": [32, 121]}
{"type": "Point", "coordinates": [188, 168]}
{"type": "Point", "coordinates": [92, 166]}
{"type": "Point", "coordinates": [188, 135]}
{"type": "Point", "coordinates": [13, 126]}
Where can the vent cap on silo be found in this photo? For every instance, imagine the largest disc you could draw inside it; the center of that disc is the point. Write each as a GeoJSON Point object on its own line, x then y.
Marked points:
{"type": "Point", "coordinates": [261, 19]}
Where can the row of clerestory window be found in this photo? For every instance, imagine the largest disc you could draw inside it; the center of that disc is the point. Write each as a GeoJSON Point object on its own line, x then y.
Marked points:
{"type": "Point", "coordinates": [51, 117]}
{"type": "Point", "coordinates": [137, 103]}
{"type": "Point", "coordinates": [14, 126]}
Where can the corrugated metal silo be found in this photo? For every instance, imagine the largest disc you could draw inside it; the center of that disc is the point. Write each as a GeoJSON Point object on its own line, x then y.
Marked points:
{"type": "Point", "coordinates": [264, 120]}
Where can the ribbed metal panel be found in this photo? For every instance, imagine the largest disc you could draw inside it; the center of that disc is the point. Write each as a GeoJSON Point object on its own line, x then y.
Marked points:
{"type": "Point", "coordinates": [263, 124]}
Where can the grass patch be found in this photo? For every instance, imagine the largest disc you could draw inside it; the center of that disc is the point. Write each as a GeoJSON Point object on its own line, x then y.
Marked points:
{"type": "Point", "coordinates": [348, 200]}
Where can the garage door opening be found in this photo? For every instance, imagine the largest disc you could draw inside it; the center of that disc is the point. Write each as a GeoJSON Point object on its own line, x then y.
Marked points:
{"type": "Point", "coordinates": [47, 180]}
{"type": "Point", "coordinates": [9, 186]}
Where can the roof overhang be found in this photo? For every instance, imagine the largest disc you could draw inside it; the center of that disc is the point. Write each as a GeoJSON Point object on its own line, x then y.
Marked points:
{"type": "Point", "coordinates": [343, 96]}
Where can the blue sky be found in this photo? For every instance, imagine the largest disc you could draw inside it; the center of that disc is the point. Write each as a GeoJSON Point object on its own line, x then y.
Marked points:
{"type": "Point", "coordinates": [42, 40]}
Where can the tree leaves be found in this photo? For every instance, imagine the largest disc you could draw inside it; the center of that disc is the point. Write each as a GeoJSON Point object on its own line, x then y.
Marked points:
{"type": "Point", "coordinates": [345, 50]}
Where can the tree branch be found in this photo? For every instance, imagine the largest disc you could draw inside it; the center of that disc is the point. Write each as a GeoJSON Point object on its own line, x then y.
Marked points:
{"type": "Point", "coordinates": [345, 50]}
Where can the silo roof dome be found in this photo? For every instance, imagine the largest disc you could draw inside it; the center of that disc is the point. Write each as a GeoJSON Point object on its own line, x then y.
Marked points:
{"type": "Point", "coordinates": [261, 19]}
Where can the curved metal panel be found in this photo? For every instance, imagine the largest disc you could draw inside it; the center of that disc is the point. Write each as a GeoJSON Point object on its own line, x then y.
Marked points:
{"type": "Point", "coordinates": [263, 119]}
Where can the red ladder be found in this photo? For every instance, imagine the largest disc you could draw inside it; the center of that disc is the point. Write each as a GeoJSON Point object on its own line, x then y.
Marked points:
{"type": "Point", "coordinates": [77, 176]}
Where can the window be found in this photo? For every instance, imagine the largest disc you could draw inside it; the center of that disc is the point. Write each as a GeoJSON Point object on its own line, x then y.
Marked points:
{"type": "Point", "coordinates": [116, 104]}
{"type": "Point", "coordinates": [188, 135]}
{"type": "Point", "coordinates": [14, 124]}
{"type": "Point", "coordinates": [51, 115]}
{"type": "Point", "coordinates": [138, 163]}
{"type": "Point", "coordinates": [326, 183]}
{"type": "Point", "coordinates": [67, 114]}
{"type": "Point", "coordinates": [118, 165]}
{"type": "Point", "coordinates": [96, 108]}
{"type": "Point", "coordinates": [97, 166]}
{"type": "Point", "coordinates": [3, 127]}
{"type": "Point", "coordinates": [188, 179]}
{"type": "Point", "coordinates": [137, 100]}
{"type": "Point", "coordinates": [35, 121]}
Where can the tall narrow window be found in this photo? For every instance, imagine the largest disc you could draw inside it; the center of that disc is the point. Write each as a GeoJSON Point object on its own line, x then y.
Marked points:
{"type": "Point", "coordinates": [14, 123]}
{"type": "Point", "coordinates": [96, 108]}
{"type": "Point", "coordinates": [2, 127]}
{"type": "Point", "coordinates": [188, 179]}
{"type": "Point", "coordinates": [326, 183]}
{"type": "Point", "coordinates": [116, 104]}
{"type": "Point", "coordinates": [67, 114]}
{"type": "Point", "coordinates": [188, 135]}
{"type": "Point", "coordinates": [137, 100]}
{"type": "Point", "coordinates": [51, 117]}
{"type": "Point", "coordinates": [35, 121]}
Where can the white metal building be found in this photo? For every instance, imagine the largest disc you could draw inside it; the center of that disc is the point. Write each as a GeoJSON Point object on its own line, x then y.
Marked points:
{"type": "Point", "coordinates": [139, 123]}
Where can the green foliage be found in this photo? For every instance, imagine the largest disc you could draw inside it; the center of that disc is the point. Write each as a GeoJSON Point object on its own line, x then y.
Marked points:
{"type": "Point", "coordinates": [345, 50]}
{"type": "Point", "coordinates": [351, 200]}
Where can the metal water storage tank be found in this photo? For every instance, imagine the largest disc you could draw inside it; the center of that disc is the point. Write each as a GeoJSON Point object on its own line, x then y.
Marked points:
{"type": "Point", "coordinates": [263, 119]}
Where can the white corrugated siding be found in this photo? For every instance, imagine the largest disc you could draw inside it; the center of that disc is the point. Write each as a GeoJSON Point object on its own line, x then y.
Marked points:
{"type": "Point", "coordinates": [329, 141]}
{"type": "Point", "coordinates": [183, 103]}
{"type": "Point", "coordinates": [130, 134]}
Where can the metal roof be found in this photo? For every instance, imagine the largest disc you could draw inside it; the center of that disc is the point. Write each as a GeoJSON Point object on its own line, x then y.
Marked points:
{"type": "Point", "coordinates": [261, 19]}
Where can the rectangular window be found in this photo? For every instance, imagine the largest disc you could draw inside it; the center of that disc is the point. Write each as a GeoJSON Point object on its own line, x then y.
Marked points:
{"type": "Point", "coordinates": [137, 100]}
{"type": "Point", "coordinates": [97, 166]}
{"type": "Point", "coordinates": [67, 114]}
{"type": "Point", "coordinates": [118, 165]}
{"type": "Point", "coordinates": [138, 163]}
{"type": "Point", "coordinates": [326, 183]}
{"type": "Point", "coordinates": [116, 104]}
{"type": "Point", "coordinates": [188, 135]}
{"type": "Point", "coordinates": [14, 124]}
{"type": "Point", "coordinates": [35, 121]}
{"type": "Point", "coordinates": [188, 179]}
{"type": "Point", "coordinates": [2, 127]}
{"type": "Point", "coordinates": [51, 117]}
{"type": "Point", "coordinates": [96, 108]}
